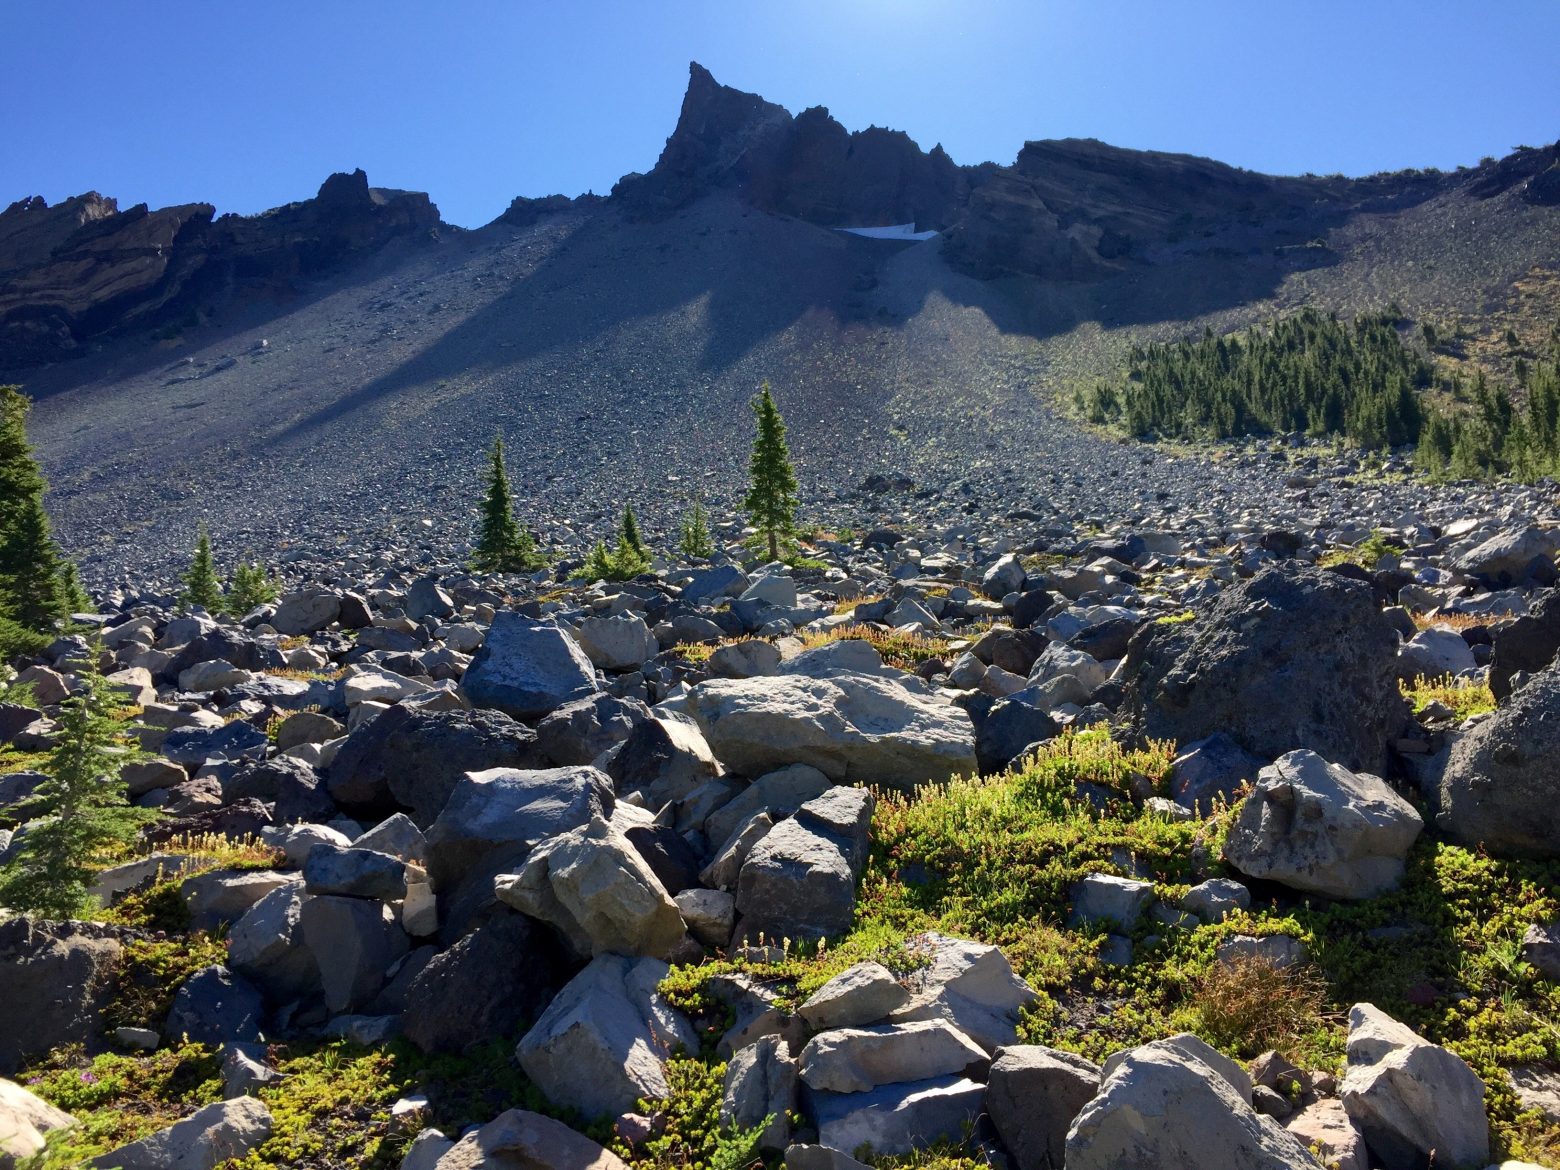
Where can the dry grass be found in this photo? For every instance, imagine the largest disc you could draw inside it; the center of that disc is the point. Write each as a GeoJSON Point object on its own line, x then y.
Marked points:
{"type": "Point", "coordinates": [906, 651]}
{"type": "Point", "coordinates": [1251, 1005]}
{"type": "Point", "coordinates": [1457, 622]}
{"type": "Point", "coordinates": [1465, 696]}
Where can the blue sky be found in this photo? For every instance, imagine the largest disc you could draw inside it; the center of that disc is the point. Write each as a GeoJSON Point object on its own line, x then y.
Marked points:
{"type": "Point", "coordinates": [250, 105]}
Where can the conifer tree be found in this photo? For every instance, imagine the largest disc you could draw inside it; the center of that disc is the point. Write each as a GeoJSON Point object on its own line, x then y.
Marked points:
{"type": "Point", "coordinates": [628, 531]}
{"type": "Point", "coordinates": [36, 586]}
{"type": "Point", "coordinates": [84, 803]}
{"type": "Point", "coordinates": [771, 498]}
{"type": "Point", "coordinates": [504, 545]}
{"type": "Point", "coordinates": [249, 587]}
{"type": "Point", "coordinates": [694, 540]}
{"type": "Point", "coordinates": [202, 587]}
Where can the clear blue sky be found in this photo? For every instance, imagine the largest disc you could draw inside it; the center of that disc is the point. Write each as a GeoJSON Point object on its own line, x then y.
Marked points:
{"type": "Point", "coordinates": [251, 105]}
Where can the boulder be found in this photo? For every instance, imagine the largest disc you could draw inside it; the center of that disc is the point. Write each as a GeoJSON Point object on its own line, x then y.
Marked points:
{"type": "Point", "coordinates": [616, 642]}
{"type": "Point", "coordinates": [1032, 1094]}
{"type": "Point", "coordinates": [854, 1060]}
{"type": "Point", "coordinates": [1507, 557]}
{"type": "Point", "coordinates": [753, 658]}
{"type": "Point", "coordinates": [1434, 653]}
{"type": "Point", "coordinates": [1502, 770]}
{"type": "Point", "coordinates": [1211, 769]}
{"type": "Point", "coordinates": [1526, 645]}
{"type": "Point", "coordinates": [356, 873]}
{"type": "Point", "coordinates": [305, 613]}
{"type": "Point", "coordinates": [761, 1085]}
{"type": "Point", "coordinates": [603, 1042]}
{"type": "Point", "coordinates": [233, 742]}
{"type": "Point", "coordinates": [291, 787]}
{"type": "Point", "coordinates": [500, 975]}
{"type": "Point", "coordinates": [209, 1137]}
{"type": "Point", "coordinates": [519, 1140]}
{"type": "Point", "coordinates": [266, 946]}
{"type": "Point", "coordinates": [416, 758]}
{"type": "Point", "coordinates": [898, 1118]}
{"type": "Point", "coordinates": [509, 811]}
{"type": "Point", "coordinates": [1101, 899]}
{"type": "Point", "coordinates": [1324, 1125]}
{"type": "Point", "coordinates": [1012, 726]}
{"type": "Point", "coordinates": [971, 985]}
{"type": "Point", "coordinates": [778, 793]}
{"type": "Point", "coordinates": [602, 896]}
{"type": "Point", "coordinates": [1165, 1105]}
{"type": "Point", "coordinates": [55, 978]}
{"type": "Point", "coordinates": [213, 675]}
{"type": "Point", "coordinates": [354, 943]}
{"type": "Point", "coordinates": [214, 1006]}
{"type": "Point", "coordinates": [580, 730]}
{"type": "Point", "coordinates": [858, 995]}
{"type": "Point", "coordinates": [25, 1120]}
{"type": "Point", "coordinates": [664, 757]}
{"type": "Point", "coordinates": [1293, 658]}
{"type": "Point", "coordinates": [527, 668]}
{"type": "Point", "coordinates": [1416, 1103]}
{"type": "Point", "coordinates": [799, 880]}
{"type": "Point", "coordinates": [222, 896]}
{"type": "Point", "coordinates": [1321, 828]}
{"type": "Point", "coordinates": [852, 728]}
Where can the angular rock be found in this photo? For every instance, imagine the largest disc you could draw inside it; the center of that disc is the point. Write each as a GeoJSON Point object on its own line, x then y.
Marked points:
{"type": "Point", "coordinates": [754, 658]}
{"type": "Point", "coordinates": [665, 757]}
{"type": "Point", "coordinates": [797, 883]}
{"type": "Point", "coordinates": [1032, 1094]}
{"type": "Point", "coordinates": [1502, 770]}
{"type": "Point", "coordinates": [356, 873]}
{"type": "Point", "coordinates": [527, 668]}
{"type": "Point", "coordinates": [1324, 1125]}
{"type": "Point", "coordinates": [1321, 828]}
{"type": "Point", "coordinates": [485, 986]}
{"type": "Point", "coordinates": [1162, 1105]}
{"type": "Point", "coordinates": [1434, 653]}
{"type": "Point", "coordinates": [898, 1118]}
{"type": "Point", "coordinates": [1412, 1099]}
{"type": "Point", "coordinates": [709, 914]}
{"type": "Point", "coordinates": [1102, 899]}
{"type": "Point", "coordinates": [850, 727]}
{"type": "Point", "coordinates": [761, 1084]}
{"type": "Point", "coordinates": [266, 946]}
{"type": "Point", "coordinates": [579, 731]}
{"type": "Point", "coordinates": [1293, 658]}
{"type": "Point", "coordinates": [306, 613]}
{"type": "Point", "coordinates": [55, 978]}
{"type": "Point", "coordinates": [603, 1042]}
{"type": "Point", "coordinates": [859, 995]}
{"type": "Point", "coordinates": [25, 1120]}
{"type": "Point", "coordinates": [601, 895]}
{"type": "Point", "coordinates": [971, 985]}
{"type": "Point", "coordinates": [207, 1138]}
{"type": "Point", "coordinates": [1507, 557]}
{"type": "Point", "coordinates": [620, 641]}
{"type": "Point", "coordinates": [854, 1060]}
{"type": "Point", "coordinates": [223, 896]}
{"type": "Point", "coordinates": [354, 943]}
{"type": "Point", "coordinates": [233, 742]}
{"type": "Point", "coordinates": [508, 811]}
{"type": "Point", "coordinates": [1210, 770]}
{"type": "Point", "coordinates": [520, 1140]}
{"type": "Point", "coordinates": [215, 1006]}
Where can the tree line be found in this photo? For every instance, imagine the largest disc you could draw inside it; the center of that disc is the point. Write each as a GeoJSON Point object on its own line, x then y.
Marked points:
{"type": "Point", "coordinates": [1315, 373]}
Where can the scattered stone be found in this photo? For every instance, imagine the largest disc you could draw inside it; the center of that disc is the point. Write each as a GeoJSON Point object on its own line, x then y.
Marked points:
{"type": "Point", "coordinates": [1033, 1093]}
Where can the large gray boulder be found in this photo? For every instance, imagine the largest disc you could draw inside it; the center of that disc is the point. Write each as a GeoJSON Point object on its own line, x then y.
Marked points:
{"type": "Point", "coordinates": [55, 978]}
{"type": "Point", "coordinates": [665, 758]}
{"type": "Point", "coordinates": [206, 1139]}
{"type": "Point", "coordinates": [858, 995]}
{"type": "Point", "coordinates": [1434, 653]}
{"type": "Point", "coordinates": [25, 1122]}
{"type": "Point", "coordinates": [1164, 1107]}
{"type": "Point", "coordinates": [521, 1140]}
{"type": "Point", "coordinates": [1507, 557]}
{"type": "Point", "coordinates": [603, 1042]}
{"type": "Point", "coordinates": [1032, 1094]}
{"type": "Point", "coordinates": [1321, 828]}
{"type": "Point", "coordinates": [592, 884]}
{"type": "Point", "coordinates": [619, 641]}
{"type": "Point", "coordinates": [852, 728]}
{"type": "Point", "coordinates": [266, 945]}
{"type": "Point", "coordinates": [527, 668]}
{"type": "Point", "coordinates": [509, 811]}
{"type": "Point", "coordinates": [1526, 645]}
{"type": "Point", "coordinates": [853, 1060]}
{"type": "Point", "coordinates": [354, 942]}
{"type": "Point", "coordinates": [761, 1084]}
{"type": "Point", "coordinates": [1502, 773]}
{"type": "Point", "coordinates": [971, 985]}
{"type": "Point", "coordinates": [306, 613]}
{"type": "Point", "coordinates": [580, 730]}
{"type": "Point", "coordinates": [898, 1118]}
{"type": "Point", "coordinates": [416, 758]}
{"type": "Point", "coordinates": [1415, 1102]}
{"type": "Point", "coordinates": [799, 880]}
{"type": "Point", "coordinates": [1293, 658]}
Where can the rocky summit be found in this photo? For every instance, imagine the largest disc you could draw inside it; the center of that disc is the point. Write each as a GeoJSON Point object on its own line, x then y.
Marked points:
{"type": "Point", "coordinates": [980, 789]}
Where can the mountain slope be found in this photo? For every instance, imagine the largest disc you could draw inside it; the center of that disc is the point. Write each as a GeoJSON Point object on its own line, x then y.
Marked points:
{"type": "Point", "coordinates": [617, 342]}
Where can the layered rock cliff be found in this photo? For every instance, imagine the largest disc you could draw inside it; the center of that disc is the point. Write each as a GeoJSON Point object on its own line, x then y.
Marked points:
{"type": "Point", "coordinates": [81, 268]}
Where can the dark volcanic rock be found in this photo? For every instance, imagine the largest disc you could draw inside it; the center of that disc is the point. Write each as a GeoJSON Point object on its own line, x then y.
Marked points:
{"type": "Point", "coordinates": [72, 272]}
{"type": "Point", "coordinates": [485, 986]}
{"type": "Point", "coordinates": [1528, 644]}
{"type": "Point", "coordinates": [416, 757]}
{"type": "Point", "coordinates": [1294, 658]}
{"type": "Point", "coordinates": [54, 981]}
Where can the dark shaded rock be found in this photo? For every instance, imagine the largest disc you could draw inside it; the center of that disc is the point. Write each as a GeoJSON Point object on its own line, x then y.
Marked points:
{"type": "Point", "coordinates": [1012, 724]}
{"type": "Point", "coordinates": [1294, 658]}
{"type": "Point", "coordinates": [1211, 768]}
{"type": "Point", "coordinates": [416, 758]}
{"type": "Point", "coordinates": [55, 979]}
{"type": "Point", "coordinates": [1528, 644]}
{"type": "Point", "coordinates": [215, 1006]}
{"type": "Point", "coordinates": [243, 818]}
{"type": "Point", "coordinates": [1500, 782]}
{"type": "Point", "coordinates": [674, 863]}
{"type": "Point", "coordinates": [579, 731]}
{"type": "Point", "coordinates": [291, 787]}
{"type": "Point", "coordinates": [486, 986]}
